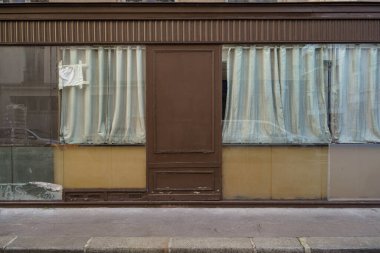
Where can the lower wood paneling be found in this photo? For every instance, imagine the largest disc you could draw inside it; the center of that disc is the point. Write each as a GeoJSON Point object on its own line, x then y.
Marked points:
{"type": "Point", "coordinates": [91, 195]}
{"type": "Point", "coordinates": [275, 173]}
{"type": "Point", "coordinates": [183, 180]}
{"type": "Point", "coordinates": [100, 167]}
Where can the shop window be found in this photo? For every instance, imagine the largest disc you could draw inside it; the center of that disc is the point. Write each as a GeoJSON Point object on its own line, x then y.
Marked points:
{"type": "Point", "coordinates": [355, 93]}
{"type": "Point", "coordinates": [27, 96]}
{"type": "Point", "coordinates": [102, 95]}
{"type": "Point", "coordinates": [28, 123]}
{"type": "Point", "coordinates": [302, 94]}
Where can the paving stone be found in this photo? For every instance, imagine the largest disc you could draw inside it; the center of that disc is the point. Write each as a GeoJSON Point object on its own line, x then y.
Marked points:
{"type": "Point", "coordinates": [4, 241]}
{"type": "Point", "coordinates": [48, 244]}
{"type": "Point", "coordinates": [128, 244]}
{"type": "Point", "coordinates": [343, 244]}
{"type": "Point", "coordinates": [278, 245]}
{"type": "Point", "coordinates": [211, 245]}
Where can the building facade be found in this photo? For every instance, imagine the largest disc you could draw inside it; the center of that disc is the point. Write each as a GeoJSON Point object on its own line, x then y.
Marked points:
{"type": "Point", "coordinates": [190, 102]}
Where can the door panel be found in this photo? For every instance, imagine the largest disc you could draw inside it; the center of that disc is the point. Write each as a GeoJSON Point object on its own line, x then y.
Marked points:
{"type": "Point", "coordinates": [183, 119]}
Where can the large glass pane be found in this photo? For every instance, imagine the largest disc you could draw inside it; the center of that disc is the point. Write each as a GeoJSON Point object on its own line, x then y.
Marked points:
{"type": "Point", "coordinates": [28, 99]}
{"type": "Point", "coordinates": [276, 94]}
{"type": "Point", "coordinates": [355, 93]}
{"type": "Point", "coordinates": [28, 123]}
{"type": "Point", "coordinates": [103, 95]}
{"type": "Point", "coordinates": [302, 94]}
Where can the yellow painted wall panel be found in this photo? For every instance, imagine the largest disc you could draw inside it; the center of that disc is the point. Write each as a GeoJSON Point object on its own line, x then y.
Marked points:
{"type": "Point", "coordinates": [104, 167]}
{"type": "Point", "coordinates": [274, 172]}
{"type": "Point", "coordinates": [324, 172]}
{"type": "Point", "coordinates": [128, 167]}
{"type": "Point", "coordinates": [87, 167]}
{"type": "Point", "coordinates": [297, 172]}
{"type": "Point", "coordinates": [58, 165]}
{"type": "Point", "coordinates": [246, 172]}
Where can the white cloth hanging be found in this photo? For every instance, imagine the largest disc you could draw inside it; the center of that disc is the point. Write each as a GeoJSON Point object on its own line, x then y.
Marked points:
{"type": "Point", "coordinates": [70, 75]}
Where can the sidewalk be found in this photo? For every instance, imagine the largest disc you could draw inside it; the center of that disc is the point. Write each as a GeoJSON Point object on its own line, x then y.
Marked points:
{"type": "Point", "coordinates": [190, 230]}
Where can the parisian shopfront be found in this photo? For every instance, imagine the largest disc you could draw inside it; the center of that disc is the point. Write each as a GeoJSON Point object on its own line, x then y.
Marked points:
{"type": "Point", "coordinates": [172, 103]}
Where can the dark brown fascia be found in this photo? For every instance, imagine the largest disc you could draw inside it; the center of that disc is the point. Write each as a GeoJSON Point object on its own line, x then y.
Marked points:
{"type": "Point", "coordinates": [201, 11]}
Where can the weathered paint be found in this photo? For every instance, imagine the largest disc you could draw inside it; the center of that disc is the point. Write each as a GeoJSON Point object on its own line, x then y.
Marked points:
{"type": "Point", "coordinates": [246, 172]}
{"type": "Point", "coordinates": [100, 167]}
{"type": "Point", "coordinates": [298, 172]}
{"type": "Point", "coordinates": [274, 172]}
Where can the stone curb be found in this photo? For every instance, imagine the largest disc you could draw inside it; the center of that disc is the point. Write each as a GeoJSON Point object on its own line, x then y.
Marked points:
{"type": "Point", "coordinates": [5, 241]}
{"type": "Point", "coordinates": [70, 244]}
{"type": "Point", "coordinates": [30, 244]}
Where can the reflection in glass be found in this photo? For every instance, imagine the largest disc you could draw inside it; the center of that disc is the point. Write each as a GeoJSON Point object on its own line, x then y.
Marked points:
{"type": "Point", "coordinates": [28, 103]}
{"type": "Point", "coordinates": [28, 123]}
{"type": "Point", "coordinates": [103, 95]}
{"type": "Point", "coordinates": [302, 94]}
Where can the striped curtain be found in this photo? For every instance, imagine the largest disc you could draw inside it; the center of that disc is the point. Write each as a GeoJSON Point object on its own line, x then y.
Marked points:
{"type": "Point", "coordinates": [109, 108]}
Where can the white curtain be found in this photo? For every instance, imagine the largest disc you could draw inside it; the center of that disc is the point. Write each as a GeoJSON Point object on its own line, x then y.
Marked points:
{"type": "Point", "coordinates": [110, 107]}
{"type": "Point", "coordinates": [355, 93]}
{"type": "Point", "coordinates": [276, 94]}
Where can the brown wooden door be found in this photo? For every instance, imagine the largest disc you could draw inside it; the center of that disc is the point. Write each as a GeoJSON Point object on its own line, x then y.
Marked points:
{"type": "Point", "coordinates": [184, 122]}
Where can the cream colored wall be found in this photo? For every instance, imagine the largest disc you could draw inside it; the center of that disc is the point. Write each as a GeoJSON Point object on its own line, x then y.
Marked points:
{"type": "Point", "coordinates": [100, 167]}
{"type": "Point", "coordinates": [274, 172]}
{"type": "Point", "coordinates": [354, 172]}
